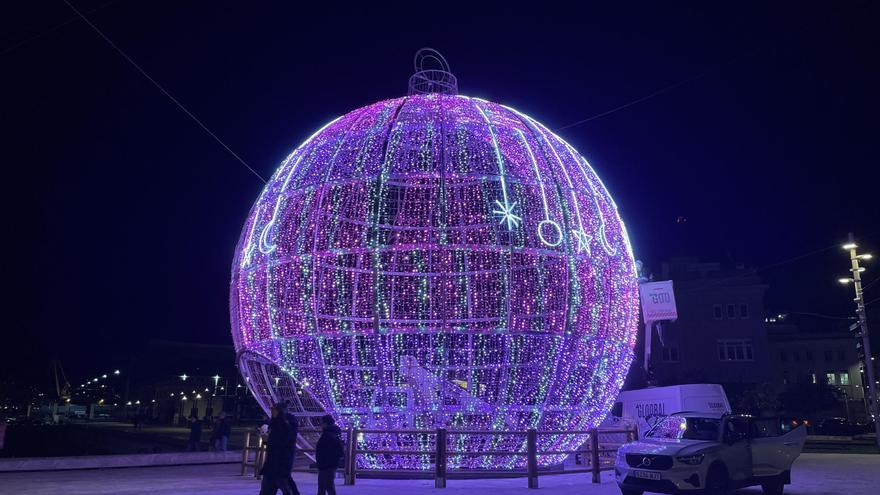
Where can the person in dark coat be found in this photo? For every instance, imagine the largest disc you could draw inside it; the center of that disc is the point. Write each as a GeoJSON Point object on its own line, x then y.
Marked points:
{"type": "Point", "coordinates": [221, 433]}
{"type": "Point", "coordinates": [195, 433]}
{"type": "Point", "coordinates": [280, 452]}
{"type": "Point", "coordinates": [328, 454]}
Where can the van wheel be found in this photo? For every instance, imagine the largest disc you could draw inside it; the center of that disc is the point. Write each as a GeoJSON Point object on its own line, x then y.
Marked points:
{"type": "Point", "coordinates": [716, 480]}
{"type": "Point", "coordinates": [773, 487]}
{"type": "Point", "coordinates": [631, 491]}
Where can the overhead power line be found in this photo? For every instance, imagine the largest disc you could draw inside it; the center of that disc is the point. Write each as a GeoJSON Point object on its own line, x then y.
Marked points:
{"type": "Point", "coordinates": [54, 28]}
{"type": "Point", "coordinates": [164, 91]}
{"type": "Point", "coordinates": [633, 102]}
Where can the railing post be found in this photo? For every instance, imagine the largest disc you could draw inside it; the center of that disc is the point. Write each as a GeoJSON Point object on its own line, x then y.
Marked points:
{"type": "Point", "coordinates": [594, 454]}
{"type": "Point", "coordinates": [351, 457]}
{"type": "Point", "coordinates": [532, 457]}
{"type": "Point", "coordinates": [259, 459]}
{"type": "Point", "coordinates": [244, 452]}
{"type": "Point", "coordinates": [440, 459]}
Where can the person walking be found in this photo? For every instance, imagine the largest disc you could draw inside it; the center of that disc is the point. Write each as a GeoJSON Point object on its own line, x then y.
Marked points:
{"type": "Point", "coordinates": [221, 432]}
{"type": "Point", "coordinates": [280, 452]}
{"type": "Point", "coordinates": [328, 454]}
{"type": "Point", "coordinates": [195, 433]}
{"type": "Point", "coordinates": [2, 433]}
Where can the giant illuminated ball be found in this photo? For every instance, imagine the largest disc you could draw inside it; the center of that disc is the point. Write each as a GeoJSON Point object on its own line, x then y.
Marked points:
{"type": "Point", "coordinates": [437, 261]}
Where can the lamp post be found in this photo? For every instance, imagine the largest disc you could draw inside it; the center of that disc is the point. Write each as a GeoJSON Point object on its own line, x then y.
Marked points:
{"type": "Point", "coordinates": [856, 280]}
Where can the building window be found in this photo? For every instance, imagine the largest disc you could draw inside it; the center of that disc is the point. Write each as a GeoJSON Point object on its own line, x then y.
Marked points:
{"type": "Point", "coordinates": [841, 355]}
{"type": "Point", "coordinates": [783, 356]}
{"type": "Point", "coordinates": [718, 313]}
{"type": "Point", "coordinates": [743, 310]}
{"type": "Point", "coordinates": [809, 356]}
{"type": "Point", "coordinates": [830, 378]}
{"type": "Point", "coordinates": [731, 311]}
{"type": "Point", "coordinates": [670, 354]}
{"type": "Point", "coordinates": [827, 355]}
{"type": "Point", "coordinates": [735, 350]}
{"type": "Point", "coordinates": [796, 356]}
{"type": "Point", "coordinates": [812, 376]}
{"type": "Point", "coordinates": [844, 378]}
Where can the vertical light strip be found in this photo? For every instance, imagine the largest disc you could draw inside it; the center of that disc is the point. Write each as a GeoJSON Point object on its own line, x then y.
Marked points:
{"type": "Point", "coordinates": [609, 249]}
{"type": "Point", "coordinates": [546, 220]}
{"type": "Point", "coordinates": [303, 148]}
{"type": "Point", "coordinates": [506, 209]}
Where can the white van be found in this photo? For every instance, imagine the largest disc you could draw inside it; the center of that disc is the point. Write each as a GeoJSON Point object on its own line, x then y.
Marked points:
{"type": "Point", "coordinates": [645, 406]}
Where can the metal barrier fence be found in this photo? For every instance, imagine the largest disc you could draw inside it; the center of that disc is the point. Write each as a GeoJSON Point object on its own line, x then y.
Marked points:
{"type": "Point", "coordinates": [595, 451]}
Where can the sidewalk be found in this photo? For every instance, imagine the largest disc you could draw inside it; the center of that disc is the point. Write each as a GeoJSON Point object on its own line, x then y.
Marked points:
{"type": "Point", "coordinates": [813, 474]}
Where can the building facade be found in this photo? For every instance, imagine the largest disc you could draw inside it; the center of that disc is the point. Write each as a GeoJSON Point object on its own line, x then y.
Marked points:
{"type": "Point", "coordinates": [827, 356]}
{"type": "Point", "coordinates": [719, 336]}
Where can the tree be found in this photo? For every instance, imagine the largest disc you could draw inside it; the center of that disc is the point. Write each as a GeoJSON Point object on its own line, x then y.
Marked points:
{"type": "Point", "coordinates": [808, 397]}
{"type": "Point", "coordinates": [759, 400]}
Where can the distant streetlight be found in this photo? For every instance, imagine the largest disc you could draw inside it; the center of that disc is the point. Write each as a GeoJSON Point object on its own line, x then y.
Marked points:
{"type": "Point", "coordinates": [184, 377]}
{"type": "Point", "coordinates": [115, 372]}
{"type": "Point", "coordinates": [103, 376]}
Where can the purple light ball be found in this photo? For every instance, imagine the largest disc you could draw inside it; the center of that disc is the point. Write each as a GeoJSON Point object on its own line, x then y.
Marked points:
{"type": "Point", "coordinates": [437, 261]}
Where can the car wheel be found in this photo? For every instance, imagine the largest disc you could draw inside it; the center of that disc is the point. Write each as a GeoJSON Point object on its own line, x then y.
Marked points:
{"type": "Point", "coordinates": [773, 488]}
{"type": "Point", "coordinates": [716, 480]}
{"type": "Point", "coordinates": [631, 491]}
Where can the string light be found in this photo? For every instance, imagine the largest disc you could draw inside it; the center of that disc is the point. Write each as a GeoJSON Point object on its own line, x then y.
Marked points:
{"type": "Point", "coordinates": [437, 261]}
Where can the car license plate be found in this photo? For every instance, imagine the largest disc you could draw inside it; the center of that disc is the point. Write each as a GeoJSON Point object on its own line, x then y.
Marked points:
{"type": "Point", "coordinates": [648, 475]}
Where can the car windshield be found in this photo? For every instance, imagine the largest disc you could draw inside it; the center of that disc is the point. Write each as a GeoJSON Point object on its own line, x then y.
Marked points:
{"type": "Point", "coordinates": [680, 427]}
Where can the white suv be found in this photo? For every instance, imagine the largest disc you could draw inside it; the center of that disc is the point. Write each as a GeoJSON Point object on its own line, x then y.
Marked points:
{"type": "Point", "coordinates": [711, 453]}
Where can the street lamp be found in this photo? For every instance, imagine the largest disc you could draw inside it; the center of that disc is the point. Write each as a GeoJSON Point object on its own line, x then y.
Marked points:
{"type": "Point", "coordinates": [862, 326]}
{"type": "Point", "coordinates": [184, 377]}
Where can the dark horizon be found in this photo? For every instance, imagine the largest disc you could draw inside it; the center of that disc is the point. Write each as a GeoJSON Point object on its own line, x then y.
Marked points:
{"type": "Point", "coordinates": [757, 126]}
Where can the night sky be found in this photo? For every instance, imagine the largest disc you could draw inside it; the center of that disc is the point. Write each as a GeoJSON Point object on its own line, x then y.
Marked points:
{"type": "Point", "coordinates": [121, 214]}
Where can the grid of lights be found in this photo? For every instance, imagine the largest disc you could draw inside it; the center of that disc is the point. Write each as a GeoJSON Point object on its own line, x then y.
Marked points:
{"type": "Point", "coordinates": [437, 261]}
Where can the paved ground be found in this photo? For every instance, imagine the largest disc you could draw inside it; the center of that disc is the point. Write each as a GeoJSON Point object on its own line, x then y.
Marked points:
{"type": "Point", "coordinates": [813, 474]}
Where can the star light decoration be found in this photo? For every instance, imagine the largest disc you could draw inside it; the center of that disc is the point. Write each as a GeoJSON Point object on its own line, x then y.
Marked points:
{"type": "Point", "coordinates": [437, 261]}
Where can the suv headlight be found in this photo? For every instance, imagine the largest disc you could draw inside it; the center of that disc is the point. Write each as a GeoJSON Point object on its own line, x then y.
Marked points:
{"type": "Point", "coordinates": [691, 459]}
